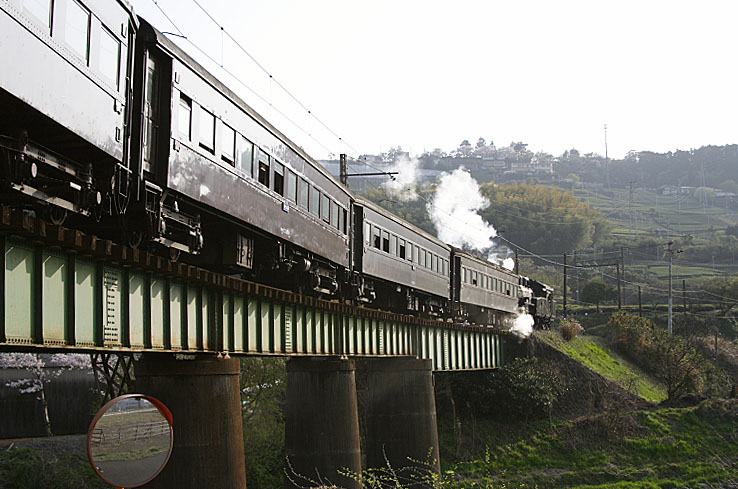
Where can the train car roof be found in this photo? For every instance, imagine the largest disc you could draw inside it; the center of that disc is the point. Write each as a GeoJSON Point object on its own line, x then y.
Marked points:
{"type": "Point", "coordinates": [488, 263]}
{"type": "Point", "coordinates": [180, 54]}
{"type": "Point", "coordinates": [129, 7]}
{"type": "Point", "coordinates": [381, 210]}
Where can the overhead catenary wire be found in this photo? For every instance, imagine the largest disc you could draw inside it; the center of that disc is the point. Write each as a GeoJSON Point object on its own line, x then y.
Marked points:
{"type": "Point", "coordinates": [271, 77]}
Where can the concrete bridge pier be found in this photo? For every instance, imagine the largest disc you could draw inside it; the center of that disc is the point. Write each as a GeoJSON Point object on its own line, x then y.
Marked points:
{"type": "Point", "coordinates": [321, 422]}
{"type": "Point", "coordinates": [204, 398]}
{"type": "Point", "coordinates": [400, 413]}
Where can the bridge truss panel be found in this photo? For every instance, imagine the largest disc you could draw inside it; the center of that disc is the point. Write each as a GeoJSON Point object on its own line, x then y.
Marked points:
{"type": "Point", "coordinates": [58, 299]}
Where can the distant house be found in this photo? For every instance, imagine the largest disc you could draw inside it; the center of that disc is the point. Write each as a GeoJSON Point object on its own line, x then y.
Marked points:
{"type": "Point", "coordinates": [668, 190]}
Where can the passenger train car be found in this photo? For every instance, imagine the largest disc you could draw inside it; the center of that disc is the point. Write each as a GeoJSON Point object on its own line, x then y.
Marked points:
{"type": "Point", "coordinates": [109, 122]}
{"type": "Point", "coordinates": [64, 100]}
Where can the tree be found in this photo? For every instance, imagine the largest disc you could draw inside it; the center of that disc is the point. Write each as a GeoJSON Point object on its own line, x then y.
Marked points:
{"type": "Point", "coordinates": [729, 186]}
{"type": "Point", "coordinates": [596, 291]}
{"type": "Point", "coordinates": [465, 148]}
{"type": "Point", "coordinates": [263, 394]}
{"type": "Point", "coordinates": [544, 220]}
{"type": "Point", "coordinates": [39, 375]}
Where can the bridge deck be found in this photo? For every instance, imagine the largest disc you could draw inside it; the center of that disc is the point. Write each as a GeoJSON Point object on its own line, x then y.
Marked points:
{"type": "Point", "coordinates": [63, 290]}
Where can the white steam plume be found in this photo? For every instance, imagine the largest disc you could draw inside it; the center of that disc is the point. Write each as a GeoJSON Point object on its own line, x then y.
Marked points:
{"type": "Point", "coordinates": [522, 326]}
{"type": "Point", "coordinates": [402, 185]}
{"type": "Point", "coordinates": [454, 211]}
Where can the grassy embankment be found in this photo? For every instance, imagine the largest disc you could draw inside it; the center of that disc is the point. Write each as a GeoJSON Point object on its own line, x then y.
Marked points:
{"type": "Point", "coordinates": [659, 448]}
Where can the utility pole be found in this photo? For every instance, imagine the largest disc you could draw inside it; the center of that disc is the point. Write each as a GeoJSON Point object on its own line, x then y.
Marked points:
{"type": "Point", "coordinates": [671, 260]}
{"type": "Point", "coordinates": [617, 266]}
{"type": "Point", "coordinates": [577, 272]}
{"type": "Point", "coordinates": [622, 260]}
{"type": "Point", "coordinates": [607, 169]}
{"type": "Point", "coordinates": [564, 284]}
{"type": "Point", "coordinates": [344, 170]}
{"type": "Point", "coordinates": [684, 297]}
{"type": "Point", "coordinates": [640, 309]}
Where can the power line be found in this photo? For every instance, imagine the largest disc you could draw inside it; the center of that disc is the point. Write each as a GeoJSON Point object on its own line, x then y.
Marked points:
{"type": "Point", "coordinates": [271, 77]}
{"type": "Point", "coordinates": [237, 79]}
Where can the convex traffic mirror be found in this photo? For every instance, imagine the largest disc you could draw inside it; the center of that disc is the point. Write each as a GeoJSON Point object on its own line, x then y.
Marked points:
{"type": "Point", "coordinates": [130, 440]}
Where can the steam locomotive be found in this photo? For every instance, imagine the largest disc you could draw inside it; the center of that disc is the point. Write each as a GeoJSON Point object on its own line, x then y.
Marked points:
{"type": "Point", "coordinates": [107, 125]}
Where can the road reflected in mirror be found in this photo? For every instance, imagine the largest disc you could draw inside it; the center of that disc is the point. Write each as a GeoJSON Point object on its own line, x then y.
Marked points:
{"type": "Point", "coordinates": [130, 440]}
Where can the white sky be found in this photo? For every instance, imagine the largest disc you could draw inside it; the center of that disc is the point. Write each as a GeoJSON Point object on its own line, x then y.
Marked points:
{"type": "Point", "coordinates": [663, 75]}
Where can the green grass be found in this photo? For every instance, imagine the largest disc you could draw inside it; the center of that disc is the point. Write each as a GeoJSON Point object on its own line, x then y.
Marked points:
{"type": "Point", "coordinates": [25, 468]}
{"type": "Point", "coordinates": [608, 364]}
{"type": "Point", "coordinates": [668, 448]}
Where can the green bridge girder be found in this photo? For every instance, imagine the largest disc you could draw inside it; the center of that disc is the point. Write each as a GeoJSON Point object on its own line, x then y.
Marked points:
{"type": "Point", "coordinates": [54, 298]}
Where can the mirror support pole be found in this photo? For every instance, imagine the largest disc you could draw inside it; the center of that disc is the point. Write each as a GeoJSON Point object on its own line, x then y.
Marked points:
{"type": "Point", "coordinates": [203, 396]}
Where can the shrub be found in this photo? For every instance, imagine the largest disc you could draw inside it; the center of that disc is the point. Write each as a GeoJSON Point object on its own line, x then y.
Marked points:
{"type": "Point", "coordinates": [570, 329]}
{"type": "Point", "coordinates": [670, 358]}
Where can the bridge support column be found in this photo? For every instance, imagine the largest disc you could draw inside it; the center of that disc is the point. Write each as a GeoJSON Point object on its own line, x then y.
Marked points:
{"type": "Point", "coordinates": [400, 413]}
{"type": "Point", "coordinates": [204, 398]}
{"type": "Point", "coordinates": [321, 422]}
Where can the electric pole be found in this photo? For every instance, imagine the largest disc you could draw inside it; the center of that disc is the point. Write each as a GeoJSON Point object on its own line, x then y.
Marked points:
{"type": "Point", "coordinates": [671, 260]}
{"type": "Point", "coordinates": [671, 256]}
{"type": "Point", "coordinates": [344, 170]}
{"type": "Point", "coordinates": [564, 284]}
{"type": "Point", "coordinates": [622, 262]}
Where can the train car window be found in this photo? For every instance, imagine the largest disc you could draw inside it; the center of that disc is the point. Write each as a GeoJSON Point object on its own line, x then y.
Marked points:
{"type": "Point", "coordinates": [109, 56]}
{"type": "Point", "coordinates": [376, 240]}
{"type": "Point", "coordinates": [435, 263]}
{"type": "Point", "coordinates": [325, 208]}
{"type": "Point", "coordinates": [247, 156]}
{"type": "Point", "coordinates": [151, 110]}
{"type": "Point", "coordinates": [385, 241]}
{"type": "Point", "coordinates": [445, 268]}
{"type": "Point", "coordinates": [315, 201]}
{"type": "Point", "coordinates": [475, 278]}
{"type": "Point", "coordinates": [291, 186]}
{"type": "Point", "coordinates": [185, 117]}
{"type": "Point", "coordinates": [463, 274]}
{"type": "Point", "coordinates": [345, 221]}
{"type": "Point", "coordinates": [207, 130]}
{"type": "Point", "coordinates": [279, 178]}
{"type": "Point", "coordinates": [263, 169]}
{"type": "Point", "coordinates": [401, 250]}
{"type": "Point", "coordinates": [304, 190]}
{"type": "Point", "coordinates": [335, 210]}
{"type": "Point", "coordinates": [367, 233]}
{"type": "Point", "coordinates": [77, 29]}
{"type": "Point", "coordinates": [41, 10]}
{"type": "Point", "coordinates": [228, 144]}
{"type": "Point", "coordinates": [422, 258]}
{"type": "Point", "coordinates": [393, 244]}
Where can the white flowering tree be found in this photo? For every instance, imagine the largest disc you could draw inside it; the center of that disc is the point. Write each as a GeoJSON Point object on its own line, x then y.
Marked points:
{"type": "Point", "coordinates": [38, 375]}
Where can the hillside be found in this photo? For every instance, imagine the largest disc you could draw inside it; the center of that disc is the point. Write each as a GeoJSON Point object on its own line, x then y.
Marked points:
{"type": "Point", "coordinates": [605, 429]}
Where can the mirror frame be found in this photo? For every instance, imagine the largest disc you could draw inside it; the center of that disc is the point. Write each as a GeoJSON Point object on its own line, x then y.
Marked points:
{"type": "Point", "coordinates": [163, 410]}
